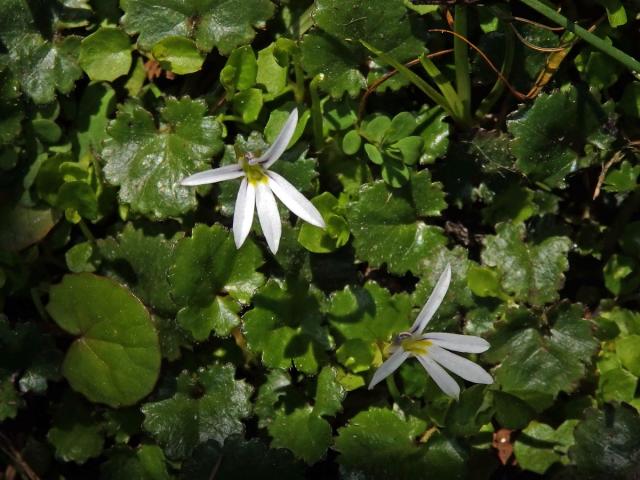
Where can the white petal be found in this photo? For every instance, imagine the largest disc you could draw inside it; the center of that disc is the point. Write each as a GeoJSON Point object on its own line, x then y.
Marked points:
{"type": "Point", "coordinates": [243, 213]}
{"type": "Point", "coordinates": [458, 343]}
{"type": "Point", "coordinates": [434, 301]}
{"type": "Point", "coordinates": [389, 366]}
{"type": "Point", "coordinates": [268, 215]}
{"type": "Point", "coordinates": [294, 200]}
{"type": "Point", "coordinates": [460, 366]}
{"type": "Point", "coordinates": [445, 381]}
{"type": "Point", "coordinates": [280, 145]}
{"type": "Point", "coordinates": [228, 172]}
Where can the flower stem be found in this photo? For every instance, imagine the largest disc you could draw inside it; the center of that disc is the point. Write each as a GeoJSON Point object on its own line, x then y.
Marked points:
{"type": "Point", "coordinates": [86, 232]}
{"type": "Point", "coordinates": [316, 112]}
{"type": "Point", "coordinates": [393, 388]}
{"type": "Point", "coordinates": [595, 41]}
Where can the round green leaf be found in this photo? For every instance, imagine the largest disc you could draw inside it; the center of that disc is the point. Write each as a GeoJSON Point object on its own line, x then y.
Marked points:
{"type": "Point", "coordinates": [351, 142]}
{"type": "Point", "coordinates": [105, 54]}
{"type": "Point", "coordinates": [178, 54]}
{"type": "Point", "coordinates": [116, 357]}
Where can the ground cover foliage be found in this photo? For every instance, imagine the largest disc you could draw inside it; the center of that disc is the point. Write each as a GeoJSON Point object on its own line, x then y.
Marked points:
{"type": "Point", "coordinates": [137, 342]}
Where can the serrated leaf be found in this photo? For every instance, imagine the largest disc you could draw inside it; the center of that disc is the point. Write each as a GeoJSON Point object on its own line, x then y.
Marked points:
{"type": "Point", "coordinates": [148, 163]}
{"type": "Point", "coordinates": [116, 359]}
{"type": "Point", "coordinates": [210, 23]}
{"type": "Point", "coordinates": [386, 224]}
{"type": "Point", "coordinates": [535, 366]}
{"type": "Point", "coordinates": [368, 313]}
{"type": "Point", "coordinates": [208, 405]}
{"type": "Point", "coordinates": [285, 327]}
{"type": "Point", "coordinates": [303, 432]}
{"type": "Point", "coordinates": [207, 266]}
{"type": "Point", "coordinates": [546, 134]}
{"type": "Point", "coordinates": [531, 272]}
{"type": "Point", "coordinates": [142, 261]}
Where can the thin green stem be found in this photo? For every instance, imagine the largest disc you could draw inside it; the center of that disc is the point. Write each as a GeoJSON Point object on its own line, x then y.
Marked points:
{"type": "Point", "coordinates": [461, 58]}
{"type": "Point", "coordinates": [86, 232]}
{"type": "Point", "coordinates": [443, 84]}
{"type": "Point", "coordinates": [316, 112]}
{"type": "Point", "coordinates": [305, 21]}
{"type": "Point", "coordinates": [298, 86]}
{"type": "Point", "coordinates": [427, 89]}
{"type": "Point", "coordinates": [393, 388]}
{"type": "Point", "coordinates": [595, 41]}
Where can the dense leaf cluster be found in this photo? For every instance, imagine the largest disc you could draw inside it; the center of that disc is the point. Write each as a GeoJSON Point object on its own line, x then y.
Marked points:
{"type": "Point", "coordinates": [137, 341]}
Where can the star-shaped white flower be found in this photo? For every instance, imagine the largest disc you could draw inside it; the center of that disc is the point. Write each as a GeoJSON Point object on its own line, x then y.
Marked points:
{"type": "Point", "coordinates": [432, 349]}
{"type": "Point", "coordinates": [257, 189]}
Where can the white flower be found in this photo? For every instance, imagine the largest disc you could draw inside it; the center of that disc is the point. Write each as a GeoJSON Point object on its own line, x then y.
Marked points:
{"type": "Point", "coordinates": [257, 189]}
{"type": "Point", "coordinates": [432, 349]}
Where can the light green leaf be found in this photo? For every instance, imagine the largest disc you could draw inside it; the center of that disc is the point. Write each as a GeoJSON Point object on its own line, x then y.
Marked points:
{"type": "Point", "coordinates": [335, 235]}
{"type": "Point", "coordinates": [178, 54]}
{"type": "Point", "coordinates": [240, 71]}
{"type": "Point", "coordinates": [539, 446]}
{"type": "Point", "coordinates": [148, 163]}
{"type": "Point", "coordinates": [105, 54]}
{"type": "Point", "coordinates": [146, 462]}
{"type": "Point", "coordinates": [116, 359]}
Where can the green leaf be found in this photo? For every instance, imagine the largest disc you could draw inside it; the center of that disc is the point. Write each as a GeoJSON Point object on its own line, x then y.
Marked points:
{"type": "Point", "coordinates": [10, 400]}
{"type": "Point", "coordinates": [240, 459]}
{"type": "Point", "coordinates": [207, 405]}
{"type": "Point", "coordinates": [335, 235]}
{"type": "Point", "coordinates": [546, 134]}
{"type": "Point", "coordinates": [285, 327]}
{"type": "Point", "coordinates": [435, 134]}
{"type": "Point", "coordinates": [105, 54]}
{"type": "Point", "coordinates": [485, 282]}
{"type": "Point", "coordinates": [535, 367]}
{"type": "Point", "coordinates": [76, 436]}
{"type": "Point", "coordinates": [178, 55]}
{"type": "Point", "coordinates": [146, 462]}
{"type": "Point", "coordinates": [351, 142]}
{"type": "Point", "coordinates": [531, 272]}
{"type": "Point", "coordinates": [273, 66]}
{"type": "Point", "coordinates": [622, 179]}
{"type": "Point", "coordinates": [240, 71]}
{"type": "Point", "coordinates": [620, 274]}
{"type": "Point", "coordinates": [24, 226]}
{"type": "Point", "coordinates": [207, 267]}
{"type": "Point", "coordinates": [303, 432]}
{"type": "Point", "coordinates": [386, 226]}
{"type": "Point", "coordinates": [248, 103]}
{"type": "Point", "coordinates": [368, 313]}
{"type": "Point", "coordinates": [97, 104]}
{"type": "Point", "coordinates": [44, 67]}
{"type": "Point", "coordinates": [539, 446]}
{"type": "Point", "coordinates": [116, 358]}
{"type": "Point", "coordinates": [629, 354]}
{"type": "Point", "coordinates": [148, 163]}
{"type": "Point", "coordinates": [617, 385]}
{"type": "Point", "coordinates": [607, 443]}
{"type": "Point", "coordinates": [210, 23]}
{"type": "Point", "coordinates": [329, 393]}
{"type": "Point", "coordinates": [380, 443]}
{"type": "Point", "coordinates": [141, 260]}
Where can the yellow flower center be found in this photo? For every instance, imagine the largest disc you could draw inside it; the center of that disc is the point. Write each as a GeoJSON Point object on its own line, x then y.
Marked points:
{"type": "Point", "coordinates": [254, 173]}
{"type": "Point", "coordinates": [418, 346]}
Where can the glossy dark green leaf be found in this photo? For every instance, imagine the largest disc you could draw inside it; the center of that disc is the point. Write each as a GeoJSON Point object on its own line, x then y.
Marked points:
{"type": "Point", "coordinates": [387, 227]}
{"type": "Point", "coordinates": [208, 405]}
{"type": "Point", "coordinates": [210, 23]}
{"type": "Point", "coordinates": [148, 162]}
